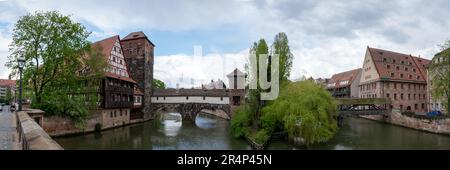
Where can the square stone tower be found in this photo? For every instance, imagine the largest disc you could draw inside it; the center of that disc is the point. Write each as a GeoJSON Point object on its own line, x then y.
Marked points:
{"type": "Point", "coordinates": [139, 56]}
{"type": "Point", "coordinates": [236, 87]}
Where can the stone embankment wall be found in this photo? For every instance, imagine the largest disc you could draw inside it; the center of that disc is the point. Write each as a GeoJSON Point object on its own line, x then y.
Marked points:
{"type": "Point", "coordinates": [62, 126]}
{"type": "Point", "coordinates": [439, 126]}
{"type": "Point", "coordinates": [32, 136]}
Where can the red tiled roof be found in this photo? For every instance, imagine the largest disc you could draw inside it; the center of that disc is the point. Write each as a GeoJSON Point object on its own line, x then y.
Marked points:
{"type": "Point", "coordinates": [6, 82]}
{"type": "Point", "coordinates": [107, 45]}
{"type": "Point", "coordinates": [116, 76]}
{"type": "Point", "coordinates": [415, 65]}
{"type": "Point", "coordinates": [349, 76]}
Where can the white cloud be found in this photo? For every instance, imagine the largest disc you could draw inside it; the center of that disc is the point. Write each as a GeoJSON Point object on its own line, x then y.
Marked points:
{"type": "Point", "coordinates": [192, 71]}
{"type": "Point", "coordinates": [326, 37]}
{"type": "Point", "coordinates": [4, 42]}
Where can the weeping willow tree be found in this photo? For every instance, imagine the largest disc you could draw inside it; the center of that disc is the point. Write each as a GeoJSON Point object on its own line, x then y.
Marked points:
{"type": "Point", "coordinates": [304, 110]}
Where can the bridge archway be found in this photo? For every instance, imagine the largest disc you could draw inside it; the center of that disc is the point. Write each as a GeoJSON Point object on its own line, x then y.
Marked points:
{"type": "Point", "coordinates": [189, 111]}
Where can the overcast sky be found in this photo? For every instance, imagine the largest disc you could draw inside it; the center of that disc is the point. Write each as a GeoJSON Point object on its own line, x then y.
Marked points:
{"type": "Point", "coordinates": [326, 37]}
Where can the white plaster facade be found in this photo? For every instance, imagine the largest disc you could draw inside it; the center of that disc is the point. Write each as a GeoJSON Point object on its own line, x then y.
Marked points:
{"type": "Point", "coordinates": [191, 99]}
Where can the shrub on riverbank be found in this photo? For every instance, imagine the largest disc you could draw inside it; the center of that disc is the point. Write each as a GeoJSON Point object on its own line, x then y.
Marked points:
{"type": "Point", "coordinates": [241, 121]}
{"type": "Point", "coordinates": [260, 137]}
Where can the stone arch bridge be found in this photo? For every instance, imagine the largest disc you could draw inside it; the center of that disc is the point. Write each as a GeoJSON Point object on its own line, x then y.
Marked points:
{"type": "Point", "coordinates": [190, 102]}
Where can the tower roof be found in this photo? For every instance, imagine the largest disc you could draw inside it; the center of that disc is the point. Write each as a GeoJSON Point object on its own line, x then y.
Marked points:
{"type": "Point", "coordinates": [137, 35]}
{"type": "Point", "coordinates": [236, 72]}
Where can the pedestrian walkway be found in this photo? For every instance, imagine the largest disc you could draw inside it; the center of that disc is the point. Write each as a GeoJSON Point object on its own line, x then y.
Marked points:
{"type": "Point", "coordinates": [5, 129]}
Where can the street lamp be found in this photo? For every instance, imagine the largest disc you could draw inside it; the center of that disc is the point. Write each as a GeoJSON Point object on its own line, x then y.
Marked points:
{"type": "Point", "coordinates": [21, 63]}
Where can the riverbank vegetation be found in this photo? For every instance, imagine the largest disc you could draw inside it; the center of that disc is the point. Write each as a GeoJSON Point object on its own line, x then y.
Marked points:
{"type": "Point", "coordinates": [303, 109]}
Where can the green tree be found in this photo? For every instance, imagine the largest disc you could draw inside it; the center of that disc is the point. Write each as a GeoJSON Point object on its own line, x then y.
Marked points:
{"type": "Point", "coordinates": [440, 71]}
{"type": "Point", "coordinates": [258, 48]}
{"type": "Point", "coordinates": [281, 47]}
{"type": "Point", "coordinates": [57, 77]}
{"type": "Point", "coordinates": [158, 84]}
{"type": "Point", "coordinates": [304, 110]}
{"type": "Point", "coordinates": [51, 45]}
{"type": "Point", "coordinates": [8, 96]}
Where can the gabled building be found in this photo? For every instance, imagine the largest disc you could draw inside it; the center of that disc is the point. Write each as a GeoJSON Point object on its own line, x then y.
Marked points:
{"type": "Point", "coordinates": [116, 95]}
{"type": "Point", "coordinates": [345, 84]}
{"type": "Point", "coordinates": [400, 77]}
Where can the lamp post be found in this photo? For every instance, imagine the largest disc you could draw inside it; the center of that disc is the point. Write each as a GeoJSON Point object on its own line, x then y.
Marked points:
{"type": "Point", "coordinates": [21, 63]}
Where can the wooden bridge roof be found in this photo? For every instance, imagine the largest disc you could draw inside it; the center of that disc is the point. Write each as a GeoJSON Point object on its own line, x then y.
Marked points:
{"type": "Point", "coordinates": [190, 92]}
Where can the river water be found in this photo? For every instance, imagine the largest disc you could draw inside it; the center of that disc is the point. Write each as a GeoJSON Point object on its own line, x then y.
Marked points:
{"type": "Point", "coordinates": [209, 132]}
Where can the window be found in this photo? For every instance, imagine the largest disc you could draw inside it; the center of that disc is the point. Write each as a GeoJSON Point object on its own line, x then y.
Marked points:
{"type": "Point", "coordinates": [204, 97]}
{"type": "Point", "coordinates": [401, 75]}
{"type": "Point", "coordinates": [423, 106]}
{"type": "Point", "coordinates": [409, 86]}
{"type": "Point", "coordinates": [392, 74]}
{"type": "Point", "coordinates": [393, 61]}
{"type": "Point", "coordinates": [120, 112]}
{"type": "Point", "coordinates": [398, 67]}
{"type": "Point", "coordinates": [387, 95]}
{"type": "Point", "coordinates": [410, 76]}
{"type": "Point", "coordinates": [388, 66]}
{"type": "Point", "coordinates": [406, 68]}
{"type": "Point", "coordinates": [395, 85]}
{"type": "Point", "coordinates": [416, 106]}
{"type": "Point", "coordinates": [409, 96]}
{"type": "Point", "coordinates": [111, 114]}
{"type": "Point", "coordinates": [401, 86]}
{"type": "Point", "coordinates": [414, 70]}
{"type": "Point", "coordinates": [424, 96]}
{"type": "Point", "coordinates": [115, 115]}
{"type": "Point", "coordinates": [414, 96]}
{"type": "Point", "coordinates": [157, 98]}
{"type": "Point", "coordinates": [395, 96]}
{"type": "Point", "coordinates": [401, 96]}
{"type": "Point", "coordinates": [221, 98]}
{"type": "Point", "coordinates": [384, 59]}
{"type": "Point", "coordinates": [187, 97]}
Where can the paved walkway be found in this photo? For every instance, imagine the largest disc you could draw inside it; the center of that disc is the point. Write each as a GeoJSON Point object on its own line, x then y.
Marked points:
{"type": "Point", "coordinates": [5, 129]}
